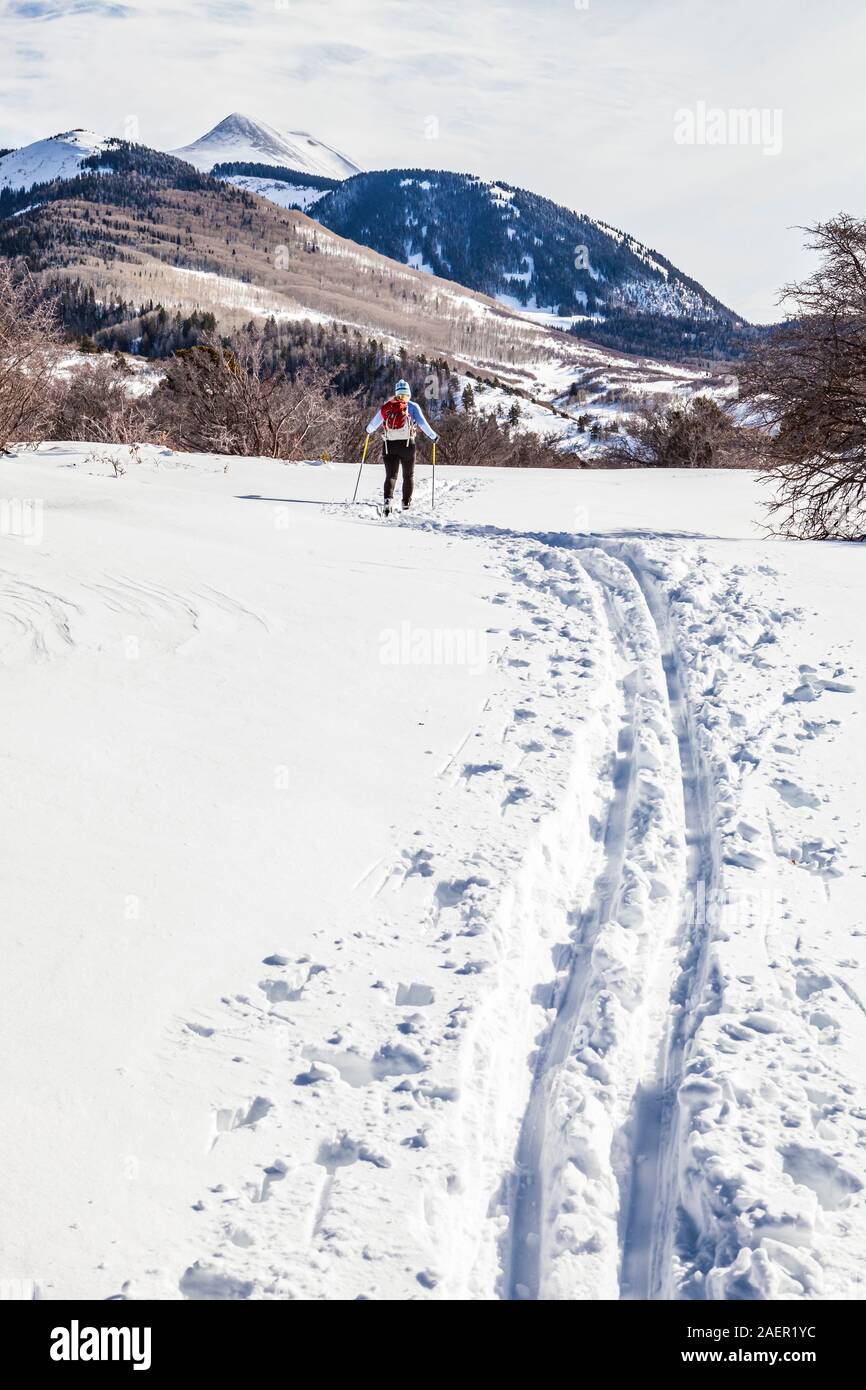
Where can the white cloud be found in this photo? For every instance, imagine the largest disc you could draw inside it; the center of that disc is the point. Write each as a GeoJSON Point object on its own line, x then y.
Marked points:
{"type": "Point", "coordinates": [578, 104]}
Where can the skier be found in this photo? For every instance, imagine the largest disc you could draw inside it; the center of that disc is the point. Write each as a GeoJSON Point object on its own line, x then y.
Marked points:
{"type": "Point", "coordinates": [400, 418]}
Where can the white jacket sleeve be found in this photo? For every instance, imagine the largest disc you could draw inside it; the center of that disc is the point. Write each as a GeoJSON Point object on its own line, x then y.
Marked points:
{"type": "Point", "coordinates": [375, 422]}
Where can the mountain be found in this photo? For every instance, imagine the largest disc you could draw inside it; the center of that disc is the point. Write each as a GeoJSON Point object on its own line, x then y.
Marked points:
{"type": "Point", "coordinates": [139, 227]}
{"type": "Point", "coordinates": [59, 157]}
{"type": "Point", "coordinates": [532, 255]}
{"type": "Point", "coordinates": [544, 261]}
{"type": "Point", "coordinates": [240, 139]}
{"type": "Point", "coordinates": [137, 239]}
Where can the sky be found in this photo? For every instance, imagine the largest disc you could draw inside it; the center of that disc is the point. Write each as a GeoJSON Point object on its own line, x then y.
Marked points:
{"type": "Point", "coordinates": [622, 109]}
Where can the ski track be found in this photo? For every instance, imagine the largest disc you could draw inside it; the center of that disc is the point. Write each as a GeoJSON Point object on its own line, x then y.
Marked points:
{"type": "Point", "coordinates": [587, 1135]}
{"type": "Point", "coordinates": [650, 1214]}
{"type": "Point", "coordinates": [630, 1168]}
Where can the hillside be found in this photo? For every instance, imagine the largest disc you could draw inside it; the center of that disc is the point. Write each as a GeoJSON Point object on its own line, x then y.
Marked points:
{"type": "Point", "coordinates": [58, 157]}
{"type": "Point", "coordinates": [288, 188]}
{"type": "Point", "coordinates": [528, 252]}
{"type": "Point", "coordinates": [145, 225]}
{"type": "Point", "coordinates": [137, 231]}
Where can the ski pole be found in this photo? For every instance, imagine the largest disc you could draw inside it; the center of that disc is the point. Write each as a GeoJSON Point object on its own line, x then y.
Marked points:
{"type": "Point", "coordinates": [433, 480]}
{"type": "Point", "coordinates": [358, 479]}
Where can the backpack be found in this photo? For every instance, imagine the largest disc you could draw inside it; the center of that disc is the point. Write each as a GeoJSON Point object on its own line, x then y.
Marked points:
{"type": "Point", "coordinates": [398, 424]}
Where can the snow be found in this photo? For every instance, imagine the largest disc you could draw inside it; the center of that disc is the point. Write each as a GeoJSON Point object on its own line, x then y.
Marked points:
{"type": "Point", "coordinates": [360, 863]}
{"type": "Point", "coordinates": [59, 157]}
{"type": "Point", "coordinates": [415, 260]}
{"type": "Point", "coordinates": [285, 195]}
{"type": "Point", "coordinates": [524, 276]}
{"type": "Point", "coordinates": [548, 318]}
{"type": "Point", "coordinates": [141, 378]}
{"type": "Point", "coordinates": [243, 139]}
{"type": "Point", "coordinates": [204, 289]}
{"type": "Point", "coordinates": [535, 416]}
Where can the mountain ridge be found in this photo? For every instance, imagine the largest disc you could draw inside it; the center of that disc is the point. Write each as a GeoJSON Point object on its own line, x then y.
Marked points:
{"type": "Point", "coordinates": [54, 157]}
{"type": "Point", "coordinates": [530, 253]}
{"type": "Point", "coordinates": [241, 138]}
{"type": "Point", "coordinates": [539, 259]}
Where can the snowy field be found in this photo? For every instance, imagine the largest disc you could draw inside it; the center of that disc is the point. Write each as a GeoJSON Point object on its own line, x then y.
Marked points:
{"type": "Point", "coordinates": [458, 907]}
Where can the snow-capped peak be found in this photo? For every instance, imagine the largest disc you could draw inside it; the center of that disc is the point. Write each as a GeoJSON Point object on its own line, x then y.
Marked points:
{"type": "Point", "coordinates": [58, 157]}
{"type": "Point", "coordinates": [240, 138]}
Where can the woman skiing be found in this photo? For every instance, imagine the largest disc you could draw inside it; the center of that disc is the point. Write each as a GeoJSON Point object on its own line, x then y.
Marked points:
{"type": "Point", "coordinates": [400, 418]}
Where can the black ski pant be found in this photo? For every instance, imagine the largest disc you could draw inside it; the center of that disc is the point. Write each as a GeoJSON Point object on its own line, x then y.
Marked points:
{"type": "Point", "coordinates": [399, 453]}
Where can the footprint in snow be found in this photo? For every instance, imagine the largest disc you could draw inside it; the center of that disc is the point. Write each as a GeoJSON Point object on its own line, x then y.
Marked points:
{"type": "Point", "coordinates": [291, 987]}
{"type": "Point", "coordinates": [392, 1059]}
{"type": "Point", "coordinates": [471, 770]}
{"type": "Point", "coordinates": [452, 892]}
{"type": "Point", "coordinates": [829, 1181]}
{"type": "Point", "coordinates": [342, 1152]}
{"type": "Point", "coordinates": [743, 859]}
{"type": "Point", "coordinates": [200, 1030]}
{"type": "Point", "coordinates": [275, 1172]}
{"type": "Point", "coordinates": [817, 856]}
{"type": "Point", "coordinates": [796, 796]}
{"type": "Point", "coordinates": [205, 1281]}
{"type": "Point", "coordinates": [224, 1120]}
{"type": "Point", "coordinates": [808, 984]}
{"type": "Point", "coordinates": [420, 863]}
{"type": "Point", "coordinates": [413, 1023]}
{"type": "Point", "coordinates": [812, 688]}
{"type": "Point", "coordinates": [414, 995]}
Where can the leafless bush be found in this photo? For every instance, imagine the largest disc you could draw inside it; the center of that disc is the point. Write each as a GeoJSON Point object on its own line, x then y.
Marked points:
{"type": "Point", "coordinates": [95, 404]}
{"type": "Point", "coordinates": [476, 440]}
{"type": "Point", "coordinates": [806, 383]}
{"type": "Point", "coordinates": [29, 339]}
{"type": "Point", "coordinates": [220, 399]}
{"type": "Point", "coordinates": [347, 426]}
{"type": "Point", "coordinates": [115, 460]}
{"type": "Point", "coordinates": [693, 434]}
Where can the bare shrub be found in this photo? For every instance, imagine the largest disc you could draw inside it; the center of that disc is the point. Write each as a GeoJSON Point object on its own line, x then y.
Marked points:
{"type": "Point", "coordinates": [221, 399]}
{"type": "Point", "coordinates": [806, 384]}
{"type": "Point", "coordinates": [96, 404]}
{"type": "Point", "coordinates": [694, 434]}
{"type": "Point", "coordinates": [477, 440]}
{"type": "Point", "coordinates": [347, 429]}
{"type": "Point", "coordinates": [29, 349]}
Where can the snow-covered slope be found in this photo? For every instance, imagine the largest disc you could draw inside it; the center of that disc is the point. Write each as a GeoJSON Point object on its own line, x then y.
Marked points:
{"type": "Point", "coordinates": [285, 195]}
{"type": "Point", "coordinates": [240, 139]}
{"type": "Point", "coordinates": [527, 251]}
{"type": "Point", "coordinates": [58, 157]}
{"type": "Point", "coordinates": [467, 906]}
